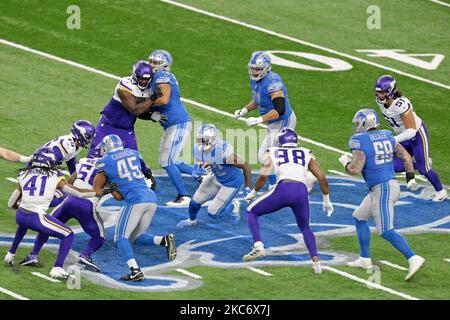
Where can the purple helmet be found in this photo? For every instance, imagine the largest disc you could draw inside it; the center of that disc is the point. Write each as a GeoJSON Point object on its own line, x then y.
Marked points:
{"type": "Point", "coordinates": [287, 137]}
{"type": "Point", "coordinates": [142, 74]}
{"type": "Point", "coordinates": [83, 131]}
{"type": "Point", "coordinates": [44, 157]}
{"type": "Point", "coordinates": [387, 84]}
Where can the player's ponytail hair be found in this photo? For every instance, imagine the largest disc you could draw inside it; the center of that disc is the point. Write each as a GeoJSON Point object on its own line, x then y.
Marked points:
{"type": "Point", "coordinates": [397, 94]}
{"type": "Point", "coordinates": [39, 170]}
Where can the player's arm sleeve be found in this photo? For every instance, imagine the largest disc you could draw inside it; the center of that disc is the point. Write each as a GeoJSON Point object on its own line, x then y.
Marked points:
{"type": "Point", "coordinates": [100, 166]}
{"type": "Point", "coordinates": [162, 77]}
{"type": "Point", "coordinates": [354, 143]}
{"type": "Point", "coordinates": [72, 165]}
{"type": "Point", "coordinates": [78, 192]}
{"type": "Point", "coordinates": [279, 104]}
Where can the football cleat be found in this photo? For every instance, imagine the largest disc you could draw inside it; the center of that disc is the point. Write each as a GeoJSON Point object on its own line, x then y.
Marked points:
{"type": "Point", "coordinates": [59, 273]}
{"type": "Point", "coordinates": [186, 223]}
{"type": "Point", "coordinates": [169, 243]}
{"type": "Point", "coordinates": [236, 212]}
{"type": "Point", "coordinates": [364, 263]}
{"type": "Point", "coordinates": [180, 202]}
{"type": "Point", "coordinates": [317, 267]}
{"type": "Point", "coordinates": [88, 263]}
{"type": "Point", "coordinates": [30, 260]}
{"type": "Point", "coordinates": [257, 251]}
{"type": "Point", "coordinates": [440, 196]}
{"type": "Point", "coordinates": [415, 263]}
{"type": "Point", "coordinates": [134, 275]}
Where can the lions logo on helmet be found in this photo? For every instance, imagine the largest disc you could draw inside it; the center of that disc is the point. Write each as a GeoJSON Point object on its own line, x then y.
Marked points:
{"type": "Point", "coordinates": [206, 137]}
{"type": "Point", "coordinates": [44, 157]}
{"type": "Point", "coordinates": [259, 65]}
{"type": "Point", "coordinates": [142, 74]}
{"type": "Point", "coordinates": [111, 143]}
{"type": "Point", "coordinates": [364, 120]}
{"type": "Point", "coordinates": [160, 60]}
{"type": "Point", "coordinates": [83, 131]}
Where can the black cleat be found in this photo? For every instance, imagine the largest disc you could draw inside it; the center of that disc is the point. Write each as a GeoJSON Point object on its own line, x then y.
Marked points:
{"type": "Point", "coordinates": [135, 275]}
{"type": "Point", "coordinates": [88, 263]}
{"type": "Point", "coordinates": [30, 260]}
{"type": "Point", "coordinates": [171, 248]}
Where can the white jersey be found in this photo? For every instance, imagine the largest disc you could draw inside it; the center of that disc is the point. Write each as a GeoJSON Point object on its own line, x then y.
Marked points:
{"type": "Point", "coordinates": [85, 173]}
{"type": "Point", "coordinates": [290, 163]}
{"type": "Point", "coordinates": [38, 189]}
{"type": "Point", "coordinates": [393, 114]}
{"type": "Point", "coordinates": [66, 145]}
{"type": "Point", "coordinates": [128, 85]}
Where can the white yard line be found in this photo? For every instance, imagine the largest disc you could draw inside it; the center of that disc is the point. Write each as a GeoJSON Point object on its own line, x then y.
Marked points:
{"type": "Point", "coordinates": [43, 276]}
{"type": "Point", "coordinates": [441, 3]}
{"type": "Point", "coordinates": [12, 294]}
{"type": "Point", "coordinates": [448, 260]}
{"type": "Point", "coordinates": [264, 273]}
{"type": "Point", "coordinates": [305, 43]}
{"type": "Point", "coordinates": [190, 274]}
{"type": "Point", "coordinates": [11, 180]}
{"type": "Point", "coordinates": [339, 173]}
{"type": "Point", "coordinates": [370, 283]}
{"type": "Point", "coordinates": [393, 265]}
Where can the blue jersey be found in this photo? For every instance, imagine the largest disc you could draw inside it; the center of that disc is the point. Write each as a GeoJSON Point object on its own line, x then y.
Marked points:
{"type": "Point", "coordinates": [124, 168]}
{"type": "Point", "coordinates": [378, 146]}
{"type": "Point", "coordinates": [174, 110]}
{"type": "Point", "coordinates": [261, 91]}
{"type": "Point", "coordinates": [227, 174]}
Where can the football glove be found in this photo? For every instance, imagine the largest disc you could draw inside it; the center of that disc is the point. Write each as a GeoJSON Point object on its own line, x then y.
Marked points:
{"type": "Point", "coordinates": [110, 187]}
{"type": "Point", "coordinates": [327, 205]}
{"type": "Point", "coordinates": [157, 116]}
{"type": "Point", "coordinates": [254, 121]}
{"type": "Point", "coordinates": [9, 258]}
{"type": "Point", "coordinates": [411, 183]}
{"type": "Point", "coordinates": [345, 159]}
{"type": "Point", "coordinates": [149, 175]}
{"type": "Point", "coordinates": [156, 94]}
{"type": "Point", "coordinates": [240, 112]}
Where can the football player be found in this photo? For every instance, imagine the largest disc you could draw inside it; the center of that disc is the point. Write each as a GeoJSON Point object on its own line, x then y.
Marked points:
{"type": "Point", "coordinates": [373, 151]}
{"type": "Point", "coordinates": [170, 113]}
{"type": "Point", "coordinates": [229, 173]}
{"type": "Point", "coordinates": [131, 97]}
{"type": "Point", "coordinates": [13, 156]}
{"type": "Point", "coordinates": [122, 166]}
{"type": "Point", "coordinates": [410, 129]}
{"type": "Point", "coordinates": [290, 165]}
{"type": "Point", "coordinates": [35, 190]}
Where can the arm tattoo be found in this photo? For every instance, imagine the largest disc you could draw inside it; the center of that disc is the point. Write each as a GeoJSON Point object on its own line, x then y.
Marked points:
{"type": "Point", "coordinates": [357, 164]}
{"type": "Point", "coordinates": [401, 153]}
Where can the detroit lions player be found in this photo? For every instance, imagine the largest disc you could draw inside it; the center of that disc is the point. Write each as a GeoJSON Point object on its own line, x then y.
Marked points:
{"type": "Point", "coordinates": [170, 113]}
{"type": "Point", "coordinates": [410, 129]}
{"type": "Point", "coordinates": [290, 165]}
{"type": "Point", "coordinates": [121, 166]}
{"type": "Point", "coordinates": [373, 151]}
{"type": "Point", "coordinates": [35, 190]}
{"type": "Point", "coordinates": [12, 156]}
{"type": "Point", "coordinates": [131, 97]}
{"type": "Point", "coordinates": [225, 181]}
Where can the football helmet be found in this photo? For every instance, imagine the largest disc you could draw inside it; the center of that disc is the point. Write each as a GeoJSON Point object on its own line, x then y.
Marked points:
{"type": "Point", "coordinates": [286, 137]}
{"type": "Point", "coordinates": [83, 131]}
{"type": "Point", "coordinates": [160, 60]}
{"type": "Point", "coordinates": [142, 74]}
{"type": "Point", "coordinates": [206, 137]}
{"type": "Point", "coordinates": [259, 65]}
{"type": "Point", "coordinates": [44, 157]}
{"type": "Point", "coordinates": [385, 87]}
{"type": "Point", "coordinates": [111, 143]}
{"type": "Point", "coordinates": [364, 120]}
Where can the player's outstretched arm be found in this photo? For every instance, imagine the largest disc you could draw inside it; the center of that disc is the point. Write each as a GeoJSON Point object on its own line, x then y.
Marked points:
{"type": "Point", "coordinates": [410, 125]}
{"type": "Point", "coordinates": [74, 191]}
{"type": "Point", "coordinates": [164, 97]}
{"type": "Point", "coordinates": [100, 182]}
{"type": "Point", "coordinates": [401, 153]}
{"type": "Point", "coordinates": [13, 156]}
{"type": "Point", "coordinates": [249, 107]}
{"type": "Point", "coordinates": [261, 180]}
{"type": "Point", "coordinates": [317, 171]}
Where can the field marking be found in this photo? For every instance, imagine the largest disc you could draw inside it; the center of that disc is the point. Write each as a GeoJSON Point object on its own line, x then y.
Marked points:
{"type": "Point", "coordinates": [441, 3]}
{"type": "Point", "coordinates": [370, 283]}
{"type": "Point", "coordinates": [11, 180]}
{"type": "Point", "coordinates": [339, 173]}
{"type": "Point", "coordinates": [190, 274]}
{"type": "Point", "coordinates": [12, 294]}
{"type": "Point", "coordinates": [393, 265]}
{"type": "Point", "coordinates": [305, 43]}
{"type": "Point", "coordinates": [264, 273]}
{"type": "Point", "coordinates": [448, 260]}
{"type": "Point", "coordinates": [43, 276]}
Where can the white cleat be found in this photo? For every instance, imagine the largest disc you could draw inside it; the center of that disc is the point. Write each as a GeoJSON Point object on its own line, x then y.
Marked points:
{"type": "Point", "coordinates": [363, 263]}
{"type": "Point", "coordinates": [440, 196]}
{"type": "Point", "coordinates": [236, 212]}
{"type": "Point", "coordinates": [415, 263]}
{"type": "Point", "coordinates": [256, 252]}
{"type": "Point", "coordinates": [317, 267]}
{"type": "Point", "coordinates": [186, 223]}
{"type": "Point", "coordinates": [179, 202]}
{"type": "Point", "coordinates": [59, 273]}
{"type": "Point", "coordinates": [310, 180]}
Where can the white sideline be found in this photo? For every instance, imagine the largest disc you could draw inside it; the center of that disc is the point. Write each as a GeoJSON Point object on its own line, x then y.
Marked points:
{"type": "Point", "coordinates": [190, 274]}
{"type": "Point", "coordinates": [393, 265]}
{"type": "Point", "coordinates": [305, 43]}
{"type": "Point", "coordinates": [369, 283]}
{"type": "Point", "coordinates": [264, 273]}
{"type": "Point", "coordinates": [441, 3]}
{"type": "Point", "coordinates": [12, 294]}
{"type": "Point", "coordinates": [43, 276]}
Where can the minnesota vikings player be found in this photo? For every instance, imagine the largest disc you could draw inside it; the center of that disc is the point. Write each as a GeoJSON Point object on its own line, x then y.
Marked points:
{"type": "Point", "coordinates": [373, 151]}
{"type": "Point", "coordinates": [12, 156]}
{"type": "Point", "coordinates": [410, 129]}
{"type": "Point", "coordinates": [226, 179]}
{"type": "Point", "coordinates": [83, 210]}
{"type": "Point", "coordinates": [35, 190]}
{"type": "Point", "coordinates": [121, 166]}
{"type": "Point", "coordinates": [290, 165]}
{"type": "Point", "coordinates": [131, 97]}
{"type": "Point", "coordinates": [170, 113]}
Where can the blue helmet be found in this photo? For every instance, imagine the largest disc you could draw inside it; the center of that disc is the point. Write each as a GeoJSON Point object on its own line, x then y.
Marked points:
{"type": "Point", "coordinates": [259, 65]}
{"type": "Point", "coordinates": [111, 143]}
{"type": "Point", "coordinates": [364, 120]}
{"type": "Point", "coordinates": [385, 83]}
{"type": "Point", "coordinates": [44, 157]}
{"type": "Point", "coordinates": [206, 137]}
{"type": "Point", "coordinates": [287, 137]}
{"type": "Point", "coordinates": [160, 60]}
{"type": "Point", "coordinates": [83, 131]}
{"type": "Point", "coordinates": [142, 74]}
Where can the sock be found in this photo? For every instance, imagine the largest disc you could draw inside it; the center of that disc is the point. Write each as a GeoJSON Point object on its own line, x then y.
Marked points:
{"type": "Point", "coordinates": [176, 178]}
{"type": "Point", "coordinates": [184, 168]}
{"type": "Point", "coordinates": [194, 207]}
{"type": "Point", "coordinates": [132, 264]}
{"type": "Point", "coordinates": [310, 241]}
{"type": "Point", "coordinates": [272, 179]}
{"type": "Point", "coordinates": [145, 239]}
{"type": "Point", "coordinates": [253, 225]}
{"type": "Point", "coordinates": [398, 242]}
{"type": "Point", "coordinates": [125, 249]}
{"type": "Point", "coordinates": [64, 248]}
{"type": "Point", "coordinates": [434, 180]}
{"type": "Point", "coordinates": [93, 245]}
{"type": "Point", "coordinates": [363, 232]}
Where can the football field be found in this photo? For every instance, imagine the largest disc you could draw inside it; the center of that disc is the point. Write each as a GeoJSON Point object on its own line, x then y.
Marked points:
{"type": "Point", "coordinates": [329, 55]}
